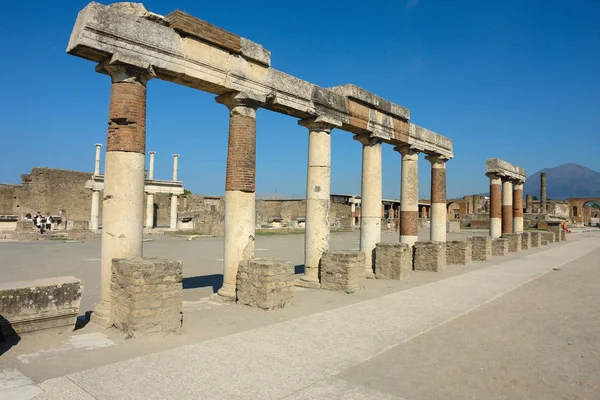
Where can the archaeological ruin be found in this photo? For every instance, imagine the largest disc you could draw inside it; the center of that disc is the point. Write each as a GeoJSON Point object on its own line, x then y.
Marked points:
{"type": "Point", "coordinates": [133, 46]}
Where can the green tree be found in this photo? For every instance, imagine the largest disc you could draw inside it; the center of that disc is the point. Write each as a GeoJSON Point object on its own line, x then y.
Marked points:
{"type": "Point", "coordinates": [535, 198]}
{"type": "Point", "coordinates": [186, 192]}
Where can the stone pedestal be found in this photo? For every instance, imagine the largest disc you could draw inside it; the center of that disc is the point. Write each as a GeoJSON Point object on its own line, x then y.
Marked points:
{"type": "Point", "coordinates": [482, 248]}
{"type": "Point", "coordinates": [555, 227]}
{"type": "Point", "coordinates": [265, 283]}
{"type": "Point", "coordinates": [430, 256]}
{"type": "Point", "coordinates": [514, 242]}
{"type": "Point", "coordinates": [525, 240]}
{"type": "Point", "coordinates": [547, 238]}
{"type": "Point", "coordinates": [146, 295]}
{"type": "Point", "coordinates": [499, 247]}
{"type": "Point", "coordinates": [459, 252]}
{"type": "Point", "coordinates": [563, 235]}
{"type": "Point", "coordinates": [536, 238]}
{"type": "Point", "coordinates": [343, 270]}
{"type": "Point", "coordinates": [393, 261]}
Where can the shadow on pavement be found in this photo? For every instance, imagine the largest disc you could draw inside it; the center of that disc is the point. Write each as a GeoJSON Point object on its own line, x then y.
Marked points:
{"type": "Point", "coordinates": [8, 336]}
{"type": "Point", "coordinates": [215, 280]}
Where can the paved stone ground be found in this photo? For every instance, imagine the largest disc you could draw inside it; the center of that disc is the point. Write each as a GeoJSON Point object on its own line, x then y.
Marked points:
{"type": "Point", "coordinates": [521, 326]}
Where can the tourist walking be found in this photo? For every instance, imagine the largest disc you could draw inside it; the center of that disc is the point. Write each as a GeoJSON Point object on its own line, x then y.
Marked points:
{"type": "Point", "coordinates": [38, 222]}
{"type": "Point", "coordinates": [48, 222]}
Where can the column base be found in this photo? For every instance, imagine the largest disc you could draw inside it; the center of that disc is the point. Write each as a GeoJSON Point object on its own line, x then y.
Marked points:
{"type": "Point", "coordinates": [101, 315]}
{"type": "Point", "coordinates": [222, 299]}
{"type": "Point", "coordinates": [226, 293]}
{"type": "Point", "coordinates": [308, 284]}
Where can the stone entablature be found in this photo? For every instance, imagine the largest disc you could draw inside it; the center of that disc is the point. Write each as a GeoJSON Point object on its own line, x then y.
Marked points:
{"type": "Point", "coordinates": [505, 170]}
{"type": "Point", "coordinates": [186, 50]}
{"type": "Point", "coordinates": [153, 186]}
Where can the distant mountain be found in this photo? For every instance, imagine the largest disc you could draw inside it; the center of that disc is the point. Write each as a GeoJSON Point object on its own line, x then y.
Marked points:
{"type": "Point", "coordinates": [564, 181]}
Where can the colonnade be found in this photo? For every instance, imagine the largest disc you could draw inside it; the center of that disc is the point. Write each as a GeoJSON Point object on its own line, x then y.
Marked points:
{"type": "Point", "coordinates": [506, 197]}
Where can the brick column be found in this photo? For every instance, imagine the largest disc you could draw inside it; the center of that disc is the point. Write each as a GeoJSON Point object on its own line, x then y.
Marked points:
{"type": "Point", "coordinates": [124, 174]}
{"type": "Point", "coordinates": [438, 198]}
{"type": "Point", "coordinates": [409, 195]}
{"type": "Point", "coordinates": [370, 209]}
{"type": "Point", "coordinates": [495, 205]}
{"type": "Point", "coordinates": [507, 206]}
{"type": "Point", "coordinates": [318, 181]}
{"type": "Point", "coordinates": [543, 193]}
{"type": "Point", "coordinates": [518, 207]}
{"type": "Point", "coordinates": [528, 204]}
{"type": "Point", "coordinates": [240, 215]}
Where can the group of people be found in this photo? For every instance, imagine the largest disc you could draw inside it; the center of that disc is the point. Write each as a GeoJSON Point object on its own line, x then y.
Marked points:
{"type": "Point", "coordinates": [42, 224]}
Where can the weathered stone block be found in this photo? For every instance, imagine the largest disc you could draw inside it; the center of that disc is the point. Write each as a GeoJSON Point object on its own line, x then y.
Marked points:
{"type": "Point", "coordinates": [555, 228]}
{"type": "Point", "coordinates": [525, 240]}
{"type": "Point", "coordinates": [547, 238]}
{"type": "Point", "coordinates": [146, 295]}
{"type": "Point", "coordinates": [430, 256]}
{"type": "Point", "coordinates": [536, 238]}
{"type": "Point", "coordinates": [393, 261]}
{"type": "Point", "coordinates": [453, 226]}
{"type": "Point", "coordinates": [459, 252]}
{"type": "Point", "coordinates": [78, 225]}
{"type": "Point", "coordinates": [499, 247]}
{"type": "Point", "coordinates": [27, 306]}
{"type": "Point", "coordinates": [265, 283]}
{"type": "Point", "coordinates": [563, 235]}
{"type": "Point", "coordinates": [482, 248]}
{"type": "Point", "coordinates": [343, 270]}
{"type": "Point", "coordinates": [514, 242]}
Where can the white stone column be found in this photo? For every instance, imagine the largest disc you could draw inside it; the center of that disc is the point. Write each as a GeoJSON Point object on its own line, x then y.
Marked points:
{"type": "Point", "coordinates": [438, 197]}
{"type": "Point", "coordinates": [353, 213]}
{"type": "Point", "coordinates": [151, 165]}
{"type": "Point", "coordinates": [495, 205]}
{"type": "Point", "coordinates": [124, 173]}
{"type": "Point", "coordinates": [409, 195]}
{"type": "Point", "coordinates": [518, 207]}
{"type": "Point", "coordinates": [240, 186]}
{"type": "Point", "coordinates": [97, 161]}
{"type": "Point", "coordinates": [175, 166]}
{"type": "Point", "coordinates": [174, 204]}
{"type": "Point", "coordinates": [318, 200]}
{"type": "Point", "coordinates": [94, 220]}
{"type": "Point", "coordinates": [507, 206]}
{"type": "Point", "coordinates": [371, 196]}
{"type": "Point", "coordinates": [150, 211]}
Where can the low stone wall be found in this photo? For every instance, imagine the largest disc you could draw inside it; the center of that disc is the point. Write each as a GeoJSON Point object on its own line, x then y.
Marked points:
{"type": "Point", "coordinates": [459, 252]}
{"type": "Point", "coordinates": [536, 238]}
{"type": "Point", "coordinates": [146, 295]}
{"type": "Point", "coordinates": [83, 234]}
{"type": "Point", "coordinates": [499, 247]}
{"type": "Point", "coordinates": [27, 306]}
{"type": "Point", "coordinates": [525, 240]}
{"type": "Point", "coordinates": [430, 256]}
{"type": "Point", "coordinates": [563, 235]}
{"type": "Point", "coordinates": [393, 261]}
{"type": "Point", "coordinates": [482, 248]}
{"type": "Point", "coordinates": [78, 225]}
{"type": "Point", "coordinates": [547, 238]}
{"type": "Point", "coordinates": [343, 270]}
{"type": "Point", "coordinates": [514, 242]}
{"type": "Point", "coordinates": [555, 227]}
{"type": "Point", "coordinates": [265, 283]}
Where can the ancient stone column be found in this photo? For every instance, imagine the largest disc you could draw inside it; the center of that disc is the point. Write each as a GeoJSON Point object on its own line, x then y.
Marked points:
{"type": "Point", "coordinates": [94, 219]}
{"type": "Point", "coordinates": [409, 195]}
{"type": "Point", "coordinates": [173, 221]}
{"type": "Point", "coordinates": [240, 215]}
{"type": "Point", "coordinates": [507, 206]}
{"type": "Point", "coordinates": [353, 213]}
{"type": "Point", "coordinates": [97, 161]}
{"type": "Point", "coordinates": [518, 207]}
{"type": "Point", "coordinates": [438, 198]}
{"type": "Point", "coordinates": [318, 180]}
{"type": "Point", "coordinates": [150, 196]}
{"type": "Point", "coordinates": [175, 166]}
{"type": "Point", "coordinates": [370, 209]}
{"type": "Point", "coordinates": [495, 205]}
{"type": "Point", "coordinates": [543, 193]}
{"type": "Point", "coordinates": [528, 204]}
{"type": "Point", "coordinates": [423, 212]}
{"type": "Point", "coordinates": [124, 173]}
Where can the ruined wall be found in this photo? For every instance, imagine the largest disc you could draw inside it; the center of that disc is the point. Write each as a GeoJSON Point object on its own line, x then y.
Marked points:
{"type": "Point", "coordinates": [7, 194]}
{"type": "Point", "coordinates": [207, 213]}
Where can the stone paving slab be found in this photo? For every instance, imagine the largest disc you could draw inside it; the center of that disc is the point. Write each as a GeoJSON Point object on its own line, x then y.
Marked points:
{"type": "Point", "coordinates": [283, 359]}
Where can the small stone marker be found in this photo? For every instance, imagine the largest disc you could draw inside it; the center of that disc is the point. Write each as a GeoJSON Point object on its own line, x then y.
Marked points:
{"type": "Point", "coordinates": [393, 261]}
{"type": "Point", "coordinates": [343, 270]}
{"type": "Point", "coordinates": [547, 238]}
{"type": "Point", "coordinates": [430, 256]}
{"type": "Point", "coordinates": [555, 227]}
{"type": "Point", "coordinates": [536, 238]}
{"type": "Point", "coordinates": [146, 295]}
{"type": "Point", "coordinates": [499, 247]}
{"type": "Point", "coordinates": [265, 283]}
{"type": "Point", "coordinates": [459, 252]}
{"type": "Point", "coordinates": [525, 240]}
{"type": "Point", "coordinates": [514, 242]}
{"type": "Point", "coordinates": [482, 248]}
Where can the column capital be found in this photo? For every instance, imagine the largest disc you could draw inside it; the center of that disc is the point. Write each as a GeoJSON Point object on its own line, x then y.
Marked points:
{"type": "Point", "coordinates": [122, 72]}
{"type": "Point", "coordinates": [493, 175]}
{"type": "Point", "coordinates": [175, 155]}
{"type": "Point", "coordinates": [98, 145]}
{"type": "Point", "coordinates": [320, 124]}
{"type": "Point", "coordinates": [152, 153]}
{"type": "Point", "coordinates": [407, 150]}
{"type": "Point", "coordinates": [241, 103]}
{"type": "Point", "coordinates": [436, 159]}
{"type": "Point", "coordinates": [367, 139]}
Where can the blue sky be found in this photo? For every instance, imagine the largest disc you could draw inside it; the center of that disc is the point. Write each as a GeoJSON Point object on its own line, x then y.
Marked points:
{"type": "Point", "coordinates": [513, 79]}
